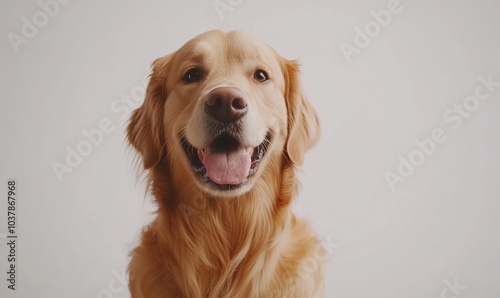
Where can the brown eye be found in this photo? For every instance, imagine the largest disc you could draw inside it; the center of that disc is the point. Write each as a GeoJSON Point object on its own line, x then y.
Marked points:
{"type": "Point", "coordinates": [261, 76]}
{"type": "Point", "coordinates": [192, 76]}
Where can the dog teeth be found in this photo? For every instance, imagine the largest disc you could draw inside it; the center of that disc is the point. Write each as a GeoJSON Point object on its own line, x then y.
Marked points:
{"type": "Point", "coordinates": [199, 169]}
{"type": "Point", "coordinates": [204, 177]}
{"type": "Point", "coordinates": [253, 170]}
{"type": "Point", "coordinates": [201, 154]}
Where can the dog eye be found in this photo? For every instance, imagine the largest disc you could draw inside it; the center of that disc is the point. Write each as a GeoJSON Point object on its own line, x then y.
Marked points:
{"type": "Point", "coordinates": [193, 75]}
{"type": "Point", "coordinates": [261, 75]}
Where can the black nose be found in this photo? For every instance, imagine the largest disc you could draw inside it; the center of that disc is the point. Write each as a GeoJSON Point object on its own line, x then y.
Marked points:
{"type": "Point", "coordinates": [226, 104]}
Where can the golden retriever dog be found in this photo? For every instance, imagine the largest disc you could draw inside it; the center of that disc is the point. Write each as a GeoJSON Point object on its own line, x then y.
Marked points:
{"type": "Point", "coordinates": [222, 130]}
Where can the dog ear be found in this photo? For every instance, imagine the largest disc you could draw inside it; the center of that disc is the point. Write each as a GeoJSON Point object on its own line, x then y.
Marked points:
{"type": "Point", "coordinates": [145, 129]}
{"type": "Point", "coordinates": [303, 120]}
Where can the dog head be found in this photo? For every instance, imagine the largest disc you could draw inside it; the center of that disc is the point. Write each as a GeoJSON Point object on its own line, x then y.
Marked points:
{"type": "Point", "coordinates": [221, 111]}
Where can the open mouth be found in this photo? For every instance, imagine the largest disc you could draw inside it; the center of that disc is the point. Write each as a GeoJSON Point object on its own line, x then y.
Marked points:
{"type": "Point", "coordinates": [226, 164]}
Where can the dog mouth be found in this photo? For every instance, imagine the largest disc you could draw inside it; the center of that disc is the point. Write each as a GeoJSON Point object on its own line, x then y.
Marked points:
{"type": "Point", "coordinates": [226, 164]}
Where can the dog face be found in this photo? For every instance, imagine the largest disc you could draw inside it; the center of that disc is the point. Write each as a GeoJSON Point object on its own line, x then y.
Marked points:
{"type": "Point", "coordinates": [222, 110]}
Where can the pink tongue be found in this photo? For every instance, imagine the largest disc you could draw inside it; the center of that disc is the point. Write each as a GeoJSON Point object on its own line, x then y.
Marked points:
{"type": "Point", "coordinates": [226, 168]}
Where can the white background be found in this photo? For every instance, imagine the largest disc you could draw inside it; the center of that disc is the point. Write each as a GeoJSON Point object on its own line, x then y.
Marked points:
{"type": "Point", "coordinates": [441, 225]}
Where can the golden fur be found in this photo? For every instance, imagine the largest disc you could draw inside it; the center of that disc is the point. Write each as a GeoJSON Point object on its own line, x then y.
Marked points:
{"type": "Point", "coordinates": [207, 242]}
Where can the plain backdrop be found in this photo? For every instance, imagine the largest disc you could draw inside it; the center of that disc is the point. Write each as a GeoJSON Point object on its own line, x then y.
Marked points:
{"type": "Point", "coordinates": [434, 234]}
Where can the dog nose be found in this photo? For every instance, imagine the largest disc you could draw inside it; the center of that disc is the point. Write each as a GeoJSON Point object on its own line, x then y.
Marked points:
{"type": "Point", "coordinates": [226, 104]}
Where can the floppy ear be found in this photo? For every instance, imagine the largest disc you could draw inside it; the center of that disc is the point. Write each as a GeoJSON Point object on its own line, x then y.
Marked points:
{"type": "Point", "coordinates": [303, 121]}
{"type": "Point", "coordinates": [145, 129]}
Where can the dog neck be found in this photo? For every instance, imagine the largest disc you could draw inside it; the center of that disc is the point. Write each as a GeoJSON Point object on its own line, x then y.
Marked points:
{"type": "Point", "coordinates": [221, 236]}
